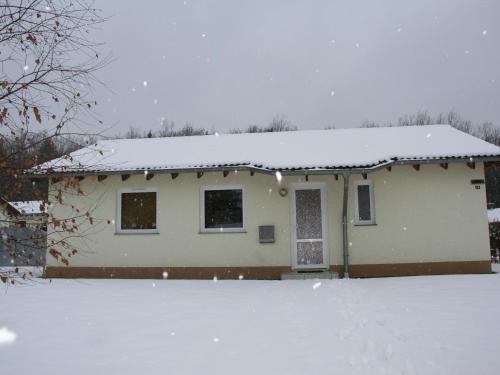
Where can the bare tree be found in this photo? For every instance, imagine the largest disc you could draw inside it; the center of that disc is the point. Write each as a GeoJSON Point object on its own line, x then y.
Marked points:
{"type": "Point", "coordinates": [420, 118]}
{"type": "Point", "coordinates": [489, 132]}
{"type": "Point", "coordinates": [48, 61]}
{"type": "Point", "coordinates": [279, 123]}
{"type": "Point", "coordinates": [167, 130]}
{"type": "Point", "coordinates": [455, 120]}
{"type": "Point", "coordinates": [369, 124]}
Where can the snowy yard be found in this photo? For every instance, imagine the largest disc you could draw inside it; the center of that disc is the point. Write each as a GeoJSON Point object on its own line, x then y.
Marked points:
{"type": "Point", "coordinates": [412, 325]}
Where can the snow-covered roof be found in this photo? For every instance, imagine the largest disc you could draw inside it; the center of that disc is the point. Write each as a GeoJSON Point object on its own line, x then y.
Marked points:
{"type": "Point", "coordinates": [494, 215]}
{"type": "Point", "coordinates": [311, 149]}
{"type": "Point", "coordinates": [28, 207]}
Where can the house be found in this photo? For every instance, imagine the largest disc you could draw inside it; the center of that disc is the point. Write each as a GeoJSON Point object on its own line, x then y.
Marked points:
{"type": "Point", "coordinates": [358, 202]}
{"type": "Point", "coordinates": [22, 214]}
{"type": "Point", "coordinates": [494, 227]}
{"type": "Point", "coordinates": [8, 214]}
{"type": "Point", "coordinates": [23, 233]}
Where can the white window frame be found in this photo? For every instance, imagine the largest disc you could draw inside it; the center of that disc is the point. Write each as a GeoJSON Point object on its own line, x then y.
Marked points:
{"type": "Point", "coordinates": [357, 221]}
{"type": "Point", "coordinates": [119, 229]}
{"type": "Point", "coordinates": [202, 209]}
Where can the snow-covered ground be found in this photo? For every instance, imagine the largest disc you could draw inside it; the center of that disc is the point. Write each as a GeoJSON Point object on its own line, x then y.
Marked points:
{"type": "Point", "coordinates": [412, 325]}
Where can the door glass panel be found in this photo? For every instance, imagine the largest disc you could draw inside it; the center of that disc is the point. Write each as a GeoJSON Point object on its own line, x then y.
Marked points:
{"type": "Point", "coordinates": [310, 252]}
{"type": "Point", "coordinates": [308, 214]}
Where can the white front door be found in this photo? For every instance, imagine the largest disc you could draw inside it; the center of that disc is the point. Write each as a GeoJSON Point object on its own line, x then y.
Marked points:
{"type": "Point", "coordinates": [309, 246]}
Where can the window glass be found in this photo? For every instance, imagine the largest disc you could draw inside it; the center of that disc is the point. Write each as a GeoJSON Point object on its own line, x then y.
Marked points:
{"type": "Point", "coordinates": [138, 211]}
{"type": "Point", "coordinates": [364, 211]}
{"type": "Point", "coordinates": [223, 208]}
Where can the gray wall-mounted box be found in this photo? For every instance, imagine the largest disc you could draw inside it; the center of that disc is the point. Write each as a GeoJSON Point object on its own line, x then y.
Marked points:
{"type": "Point", "coordinates": [266, 234]}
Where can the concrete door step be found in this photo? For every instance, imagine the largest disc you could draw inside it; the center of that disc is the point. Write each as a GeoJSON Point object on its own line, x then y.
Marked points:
{"type": "Point", "coordinates": [309, 275]}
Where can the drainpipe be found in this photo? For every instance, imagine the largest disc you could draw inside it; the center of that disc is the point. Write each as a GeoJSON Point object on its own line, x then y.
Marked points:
{"type": "Point", "coordinates": [345, 241]}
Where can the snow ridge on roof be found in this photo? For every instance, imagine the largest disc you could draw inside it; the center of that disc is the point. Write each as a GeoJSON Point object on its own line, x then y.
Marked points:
{"type": "Point", "coordinates": [310, 149]}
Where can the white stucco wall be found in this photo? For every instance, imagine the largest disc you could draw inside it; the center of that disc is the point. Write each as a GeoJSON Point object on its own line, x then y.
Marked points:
{"type": "Point", "coordinates": [421, 216]}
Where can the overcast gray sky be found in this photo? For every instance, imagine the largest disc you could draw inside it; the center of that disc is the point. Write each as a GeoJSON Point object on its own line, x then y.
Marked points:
{"type": "Point", "coordinates": [226, 64]}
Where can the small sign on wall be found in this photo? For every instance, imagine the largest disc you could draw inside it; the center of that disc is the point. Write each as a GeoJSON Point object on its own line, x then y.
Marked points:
{"type": "Point", "coordinates": [477, 183]}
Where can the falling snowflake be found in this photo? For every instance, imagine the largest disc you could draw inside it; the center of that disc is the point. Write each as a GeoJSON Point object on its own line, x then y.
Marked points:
{"type": "Point", "coordinates": [165, 274]}
{"type": "Point", "coordinates": [332, 93]}
{"type": "Point", "coordinates": [133, 89]}
{"type": "Point", "coordinates": [145, 83]}
{"type": "Point", "coordinates": [26, 67]}
{"type": "Point", "coordinates": [332, 41]}
{"type": "Point", "coordinates": [7, 336]}
{"type": "Point", "coordinates": [216, 339]}
{"type": "Point", "coordinates": [357, 45]}
{"type": "Point", "coordinates": [428, 135]}
{"type": "Point", "coordinates": [485, 32]}
{"type": "Point", "coordinates": [153, 285]}
{"type": "Point", "coordinates": [216, 134]}
{"type": "Point", "coordinates": [155, 101]}
{"type": "Point", "coordinates": [203, 35]}
{"type": "Point", "coordinates": [278, 177]}
{"type": "Point", "coordinates": [399, 29]}
{"type": "Point", "coordinates": [172, 333]}
{"type": "Point", "coordinates": [317, 285]}
{"type": "Point", "coordinates": [240, 277]}
{"type": "Point", "coordinates": [215, 279]}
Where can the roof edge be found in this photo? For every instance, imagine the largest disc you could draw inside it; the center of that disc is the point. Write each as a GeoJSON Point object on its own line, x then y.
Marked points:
{"type": "Point", "coordinates": [270, 171]}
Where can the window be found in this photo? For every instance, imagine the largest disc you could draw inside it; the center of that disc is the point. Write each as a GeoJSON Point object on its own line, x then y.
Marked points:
{"type": "Point", "coordinates": [222, 209]}
{"type": "Point", "coordinates": [21, 224]}
{"type": "Point", "coordinates": [137, 211]}
{"type": "Point", "coordinates": [364, 213]}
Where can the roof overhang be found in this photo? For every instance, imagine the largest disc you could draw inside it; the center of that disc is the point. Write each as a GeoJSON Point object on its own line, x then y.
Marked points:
{"type": "Point", "coordinates": [266, 170]}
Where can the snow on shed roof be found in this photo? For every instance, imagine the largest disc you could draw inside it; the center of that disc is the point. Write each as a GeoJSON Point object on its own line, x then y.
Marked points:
{"type": "Point", "coordinates": [494, 215]}
{"type": "Point", "coordinates": [28, 207]}
{"type": "Point", "coordinates": [311, 149]}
